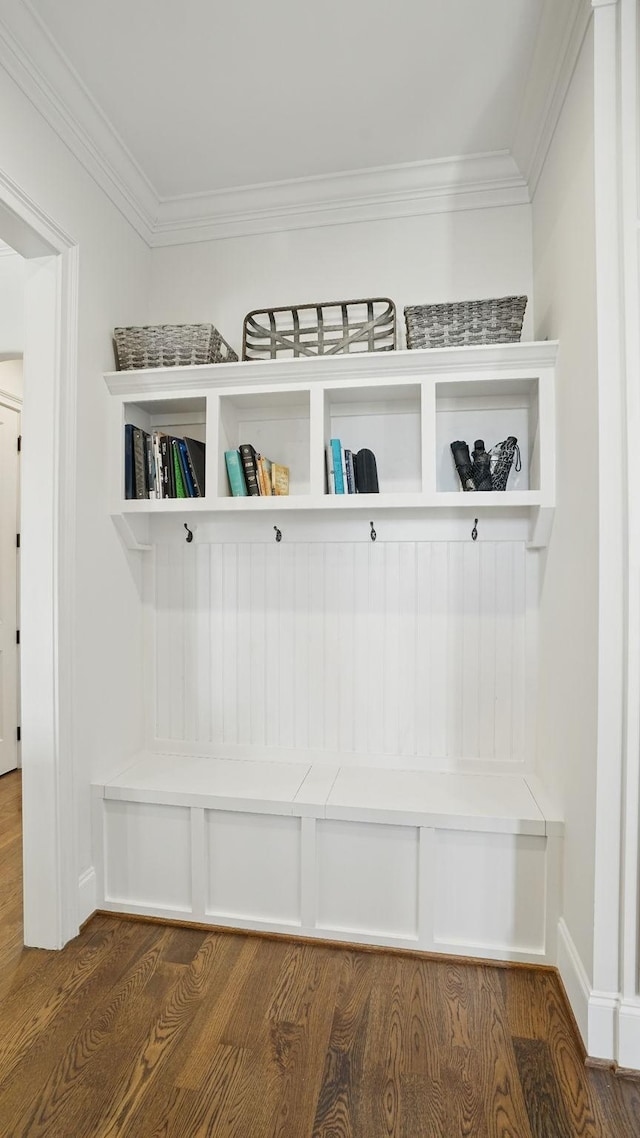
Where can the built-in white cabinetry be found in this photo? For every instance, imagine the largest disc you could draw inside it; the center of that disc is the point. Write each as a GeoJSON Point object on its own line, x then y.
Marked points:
{"type": "Point", "coordinates": [340, 733]}
{"type": "Point", "coordinates": [406, 406]}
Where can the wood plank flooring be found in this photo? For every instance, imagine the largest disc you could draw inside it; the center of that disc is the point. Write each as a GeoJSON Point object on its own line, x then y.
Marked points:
{"type": "Point", "coordinates": [148, 1031]}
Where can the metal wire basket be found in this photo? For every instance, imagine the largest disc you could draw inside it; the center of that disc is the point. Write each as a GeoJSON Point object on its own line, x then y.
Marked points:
{"type": "Point", "coordinates": [335, 328]}
{"type": "Point", "coordinates": [465, 322]}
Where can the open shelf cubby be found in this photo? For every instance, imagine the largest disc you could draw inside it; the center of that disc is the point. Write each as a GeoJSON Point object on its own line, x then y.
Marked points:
{"type": "Point", "coordinates": [178, 417]}
{"type": "Point", "coordinates": [491, 410]}
{"type": "Point", "coordinates": [385, 420]}
{"type": "Point", "coordinates": [276, 423]}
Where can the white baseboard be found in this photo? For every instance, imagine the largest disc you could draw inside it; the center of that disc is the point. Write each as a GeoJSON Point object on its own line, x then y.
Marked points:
{"type": "Point", "coordinates": [629, 1034]}
{"type": "Point", "coordinates": [575, 979]}
{"type": "Point", "coordinates": [602, 1042]}
{"type": "Point", "coordinates": [597, 1014]}
{"type": "Point", "coordinates": [87, 894]}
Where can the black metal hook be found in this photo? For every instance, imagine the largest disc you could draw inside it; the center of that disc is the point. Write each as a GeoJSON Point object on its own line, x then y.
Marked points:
{"type": "Point", "coordinates": [189, 533]}
{"type": "Point", "coordinates": [278, 534]}
{"type": "Point", "coordinates": [474, 531]}
{"type": "Point", "coordinates": [373, 535]}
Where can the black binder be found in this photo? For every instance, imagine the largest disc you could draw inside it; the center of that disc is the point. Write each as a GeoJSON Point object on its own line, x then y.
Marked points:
{"type": "Point", "coordinates": [366, 472]}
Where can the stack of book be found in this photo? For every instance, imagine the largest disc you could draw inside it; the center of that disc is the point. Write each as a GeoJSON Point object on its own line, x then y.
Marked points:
{"type": "Point", "coordinates": [250, 473]}
{"type": "Point", "coordinates": [350, 473]}
{"type": "Point", "coordinates": [162, 466]}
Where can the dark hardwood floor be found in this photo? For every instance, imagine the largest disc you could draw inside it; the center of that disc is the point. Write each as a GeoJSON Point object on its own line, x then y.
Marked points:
{"type": "Point", "coordinates": [148, 1031]}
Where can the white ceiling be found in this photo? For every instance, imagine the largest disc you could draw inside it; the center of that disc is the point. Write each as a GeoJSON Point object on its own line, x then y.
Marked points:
{"type": "Point", "coordinates": [207, 96]}
{"type": "Point", "coordinates": [204, 121]}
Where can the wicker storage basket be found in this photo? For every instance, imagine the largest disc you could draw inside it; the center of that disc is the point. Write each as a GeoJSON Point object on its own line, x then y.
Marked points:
{"type": "Point", "coordinates": [335, 328]}
{"type": "Point", "coordinates": [465, 322]}
{"type": "Point", "coordinates": [170, 345]}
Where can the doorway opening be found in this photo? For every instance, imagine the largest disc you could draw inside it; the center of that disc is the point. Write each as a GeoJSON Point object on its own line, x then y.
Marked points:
{"type": "Point", "coordinates": [47, 559]}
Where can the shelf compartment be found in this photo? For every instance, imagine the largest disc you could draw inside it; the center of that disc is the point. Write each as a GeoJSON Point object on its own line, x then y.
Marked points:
{"type": "Point", "coordinates": [384, 419]}
{"type": "Point", "coordinates": [490, 410]}
{"type": "Point", "coordinates": [179, 417]}
{"type": "Point", "coordinates": [277, 424]}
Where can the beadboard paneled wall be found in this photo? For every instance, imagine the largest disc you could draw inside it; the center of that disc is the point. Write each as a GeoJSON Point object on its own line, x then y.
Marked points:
{"type": "Point", "coordinates": [422, 652]}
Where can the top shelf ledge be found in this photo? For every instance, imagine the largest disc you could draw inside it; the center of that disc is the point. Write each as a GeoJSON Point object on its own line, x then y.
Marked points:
{"type": "Point", "coordinates": [530, 355]}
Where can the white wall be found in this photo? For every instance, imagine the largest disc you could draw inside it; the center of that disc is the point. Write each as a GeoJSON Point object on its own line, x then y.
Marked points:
{"type": "Point", "coordinates": [11, 305]}
{"type": "Point", "coordinates": [113, 290]}
{"type": "Point", "coordinates": [11, 377]}
{"type": "Point", "coordinates": [565, 307]}
{"type": "Point", "coordinates": [414, 260]}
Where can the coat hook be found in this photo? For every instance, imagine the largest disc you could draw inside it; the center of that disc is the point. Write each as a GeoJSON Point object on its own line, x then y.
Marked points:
{"type": "Point", "coordinates": [189, 533]}
{"type": "Point", "coordinates": [474, 531]}
{"type": "Point", "coordinates": [373, 535]}
{"type": "Point", "coordinates": [278, 534]}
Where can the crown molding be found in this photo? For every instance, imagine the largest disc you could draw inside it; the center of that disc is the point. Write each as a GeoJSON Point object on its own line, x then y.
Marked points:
{"type": "Point", "coordinates": [478, 181]}
{"type": "Point", "coordinates": [560, 37]}
{"type": "Point", "coordinates": [34, 60]}
{"type": "Point", "coordinates": [37, 65]}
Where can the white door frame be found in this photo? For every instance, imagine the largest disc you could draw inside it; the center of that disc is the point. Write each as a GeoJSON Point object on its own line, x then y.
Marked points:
{"type": "Point", "coordinates": [12, 402]}
{"type": "Point", "coordinates": [48, 566]}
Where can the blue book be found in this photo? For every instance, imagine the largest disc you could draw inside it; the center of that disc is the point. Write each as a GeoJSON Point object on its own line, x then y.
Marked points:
{"type": "Point", "coordinates": [186, 471]}
{"type": "Point", "coordinates": [336, 447]}
{"type": "Point", "coordinates": [235, 473]}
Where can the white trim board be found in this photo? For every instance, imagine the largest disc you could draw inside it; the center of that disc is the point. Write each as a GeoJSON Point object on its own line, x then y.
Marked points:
{"type": "Point", "coordinates": [48, 559]}
{"type": "Point", "coordinates": [478, 181]}
{"type": "Point", "coordinates": [556, 53]}
{"type": "Point", "coordinates": [446, 799]}
{"type": "Point", "coordinates": [575, 979]}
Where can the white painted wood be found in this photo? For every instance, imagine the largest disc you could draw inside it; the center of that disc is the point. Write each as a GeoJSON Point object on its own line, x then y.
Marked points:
{"type": "Point", "coordinates": [9, 430]}
{"type": "Point", "coordinates": [360, 866]}
{"type": "Point", "coordinates": [253, 863]}
{"type": "Point", "coordinates": [505, 803]}
{"type": "Point", "coordinates": [426, 886]}
{"type": "Point", "coordinates": [629, 1016]}
{"type": "Point", "coordinates": [291, 413]}
{"type": "Point", "coordinates": [314, 791]}
{"type": "Point", "coordinates": [559, 39]}
{"type": "Point", "coordinates": [398, 649]}
{"type": "Point", "coordinates": [526, 359]}
{"type": "Point", "coordinates": [148, 855]}
{"type": "Point", "coordinates": [308, 873]}
{"type": "Point", "coordinates": [199, 879]}
{"type": "Point", "coordinates": [87, 894]}
{"type": "Point", "coordinates": [611, 615]}
{"type": "Point", "coordinates": [193, 780]}
{"type": "Point", "coordinates": [629, 1034]}
{"type": "Point", "coordinates": [464, 801]}
{"type": "Point", "coordinates": [48, 575]}
{"type": "Point", "coordinates": [553, 888]}
{"type": "Point", "coordinates": [490, 890]}
{"type": "Point", "coordinates": [363, 859]}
